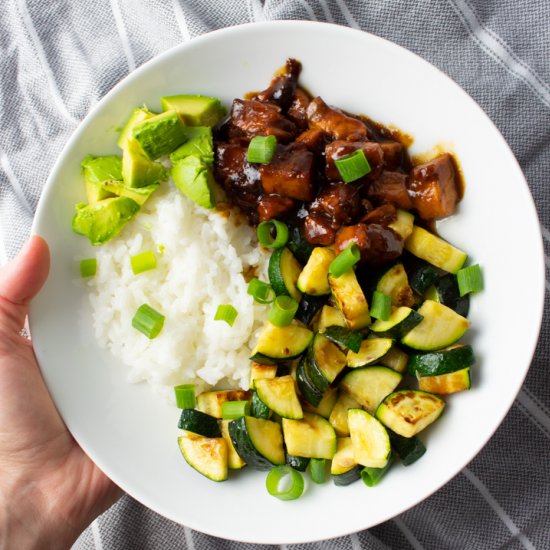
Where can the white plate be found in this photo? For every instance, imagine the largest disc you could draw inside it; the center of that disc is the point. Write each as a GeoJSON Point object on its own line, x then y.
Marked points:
{"type": "Point", "coordinates": [131, 434]}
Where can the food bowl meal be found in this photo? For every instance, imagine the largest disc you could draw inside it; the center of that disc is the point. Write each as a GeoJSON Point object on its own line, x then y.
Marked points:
{"type": "Point", "coordinates": [173, 299]}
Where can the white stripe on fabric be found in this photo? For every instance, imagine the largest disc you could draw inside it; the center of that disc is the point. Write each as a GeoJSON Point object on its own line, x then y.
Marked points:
{"type": "Point", "coordinates": [350, 20]}
{"type": "Point", "coordinates": [326, 11]}
{"type": "Point", "coordinates": [408, 534]}
{"type": "Point", "coordinates": [14, 182]}
{"type": "Point", "coordinates": [256, 10]}
{"type": "Point", "coordinates": [504, 517]}
{"type": "Point", "coordinates": [309, 10]}
{"type": "Point", "coordinates": [119, 22]}
{"type": "Point", "coordinates": [189, 538]}
{"type": "Point", "coordinates": [499, 50]}
{"type": "Point", "coordinates": [96, 535]}
{"type": "Point", "coordinates": [545, 232]}
{"type": "Point", "coordinates": [535, 409]}
{"type": "Point", "coordinates": [182, 23]}
{"type": "Point", "coordinates": [41, 54]}
{"type": "Point", "coordinates": [355, 542]}
{"type": "Point", "coordinates": [303, 3]}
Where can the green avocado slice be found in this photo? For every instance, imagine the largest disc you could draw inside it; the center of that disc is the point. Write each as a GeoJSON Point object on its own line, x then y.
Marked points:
{"type": "Point", "coordinates": [159, 135]}
{"type": "Point", "coordinates": [137, 169]}
{"type": "Point", "coordinates": [194, 179]}
{"type": "Point", "coordinates": [195, 110]}
{"type": "Point", "coordinates": [199, 143]}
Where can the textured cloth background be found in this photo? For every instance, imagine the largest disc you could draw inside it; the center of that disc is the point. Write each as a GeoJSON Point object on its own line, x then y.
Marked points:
{"type": "Point", "coordinates": [59, 57]}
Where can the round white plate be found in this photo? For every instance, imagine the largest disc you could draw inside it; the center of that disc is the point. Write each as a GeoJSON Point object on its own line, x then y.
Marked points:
{"type": "Point", "coordinates": [131, 433]}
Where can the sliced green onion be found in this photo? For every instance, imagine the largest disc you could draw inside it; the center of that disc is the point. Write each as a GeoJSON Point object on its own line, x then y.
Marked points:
{"type": "Point", "coordinates": [345, 260]}
{"type": "Point", "coordinates": [264, 234]}
{"type": "Point", "coordinates": [235, 409]}
{"type": "Point", "coordinates": [282, 311]}
{"type": "Point", "coordinates": [148, 321]}
{"type": "Point", "coordinates": [185, 396]}
{"type": "Point", "coordinates": [143, 262]}
{"type": "Point", "coordinates": [372, 476]}
{"type": "Point", "coordinates": [260, 291]}
{"type": "Point", "coordinates": [381, 306]}
{"type": "Point", "coordinates": [318, 470]}
{"type": "Point", "coordinates": [227, 313]}
{"type": "Point", "coordinates": [88, 267]}
{"type": "Point", "coordinates": [261, 149]}
{"type": "Point", "coordinates": [470, 279]}
{"type": "Point", "coordinates": [284, 483]}
{"type": "Point", "coordinates": [353, 166]}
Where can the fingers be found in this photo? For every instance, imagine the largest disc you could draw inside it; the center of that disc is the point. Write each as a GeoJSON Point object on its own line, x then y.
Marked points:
{"type": "Point", "coordinates": [20, 281]}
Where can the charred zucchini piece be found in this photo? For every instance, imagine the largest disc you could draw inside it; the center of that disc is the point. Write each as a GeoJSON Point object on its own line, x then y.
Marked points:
{"type": "Point", "coordinates": [330, 317]}
{"type": "Point", "coordinates": [326, 404]}
{"type": "Point", "coordinates": [339, 415]}
{"type": "Point", "coordinates": [422, 275]}
{"type": "Point", "coordinates": [258, 409]}
{"type": "Point", "coordinates": [395, 284]}
{"type": "Point", "coordinates": [207, 455]}
{"type": "Point", "coordinates": [408, 412]}
{"type": "Point", "coordinates": [370, 385]}
{"type": "Point", "coordinates": [279, 394]}
{"type": "Point", "coordinates": [314, 277]}
{"type": "Point", "coordinates": [311, 437]}
{"type": "Point", "coordinates": [211, 402]}
{"type": "Point", "coordinates": [326, 360]}
{"type": "Point", "coordinates": [258, 442]}
{"type": "Point", "coordinates": [408, 449]}
{"type": "Point", "coordinates": [284, 270]}
{"type": "Point", "coordinates": [404, 223]}
{"type": "Point", "coordinates": [440, 327]}
{"type": "Point", "coordinates": [395, 359]}
{"type": "Point", "coordinates": [370, 351]}
{"type": "Point", "coordinates": [369, 438]}
{"type": "Point", "coordinates": [259, 371]}
{"type": "Point", "coordinates": [350, 299]}
{"type": "Point", "coordinates": [445, 291]}
{"type": "Point", "coordinates": [308, 307]}
{"type": "Point", "coordinates": [279, 343]}
{"type": "Point", "coordinates": [444, 384]}
{"type": "Point", "coordinates": [298, 244]}
{"type": "Point", "coordinates": [310, 392]}
{"type": "Point", "coordinates": [299, 463]}
{"type": "Point", "coordinates": [401, 321]}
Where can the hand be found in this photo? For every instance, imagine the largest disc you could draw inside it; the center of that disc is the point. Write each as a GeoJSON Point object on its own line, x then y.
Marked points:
{"type": "Point", "coordinates": [49, 489]}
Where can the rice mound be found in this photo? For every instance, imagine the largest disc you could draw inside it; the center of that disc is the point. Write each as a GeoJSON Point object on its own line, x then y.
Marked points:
{"type": "Point", "coordinates": [201, 258]}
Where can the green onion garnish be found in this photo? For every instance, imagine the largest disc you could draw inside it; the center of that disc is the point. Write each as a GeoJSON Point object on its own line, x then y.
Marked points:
{"type": "Point", "coordinates": [284, 483]}
{"type": "Point", "coordinates": [353, 166]}
{"type": "Point", "coordinates": [260, 291]}
{"type": "Point", "coordinates": [143, 262]}
{"type": "Point", "coordinates": [318, 470]}
{"type": "Point", "coordinates": [235, 409]}
{"type": "Point", "coordinates": [88, 267]}
{"type": "Point", "coordinates": [264, 234]}
{"type": "Point", "coordinates": [185, 396]}
{"type": "Point", "coordinates": [470, 279]}
{"type": "Point", "coordinates": [371, 476]}
{"type": "Point", "coordinates": [282, 311]}
{"type": "Point", "coordinates": [227, 313]}
{"type": "Point", "coordinates": [345, 260]}
{"type": "Point", "coordinates": [261, 149]}
{"type": "Point", "coordinates": [381, 306]}
{"type": "Point", "coordinates": [148, 321]}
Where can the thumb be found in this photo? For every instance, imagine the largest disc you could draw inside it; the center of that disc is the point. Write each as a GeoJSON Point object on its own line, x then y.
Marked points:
{"type": "Point", "coordinates": [20, 281]}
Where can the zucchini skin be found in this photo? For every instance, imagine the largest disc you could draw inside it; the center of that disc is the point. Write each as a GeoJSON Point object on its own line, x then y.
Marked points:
{"type": "Point", "coordinates": [308, 307]}
{"type": "Point", "coordinates": [344, 337]}
{"type": "Point", "coordinates": [311, 393]}
{"type": "Point", "coordinates": [401, 328]}
{"type": "Point", "coordinates": [408, 449]}
{"type": "Point", "coordinates": [258, 408]}
{"type": "Point", "coordinates": [372, 476]}
{"type": "Point", "coordinates": [238, 433]}
{"type": "Point", "coordinates": [449, 295]}
{"type": "Point", "coordinates": [441, 362]}
{"type": "Point", "coordinates": [422, 275]}
{"type": "Point", "coordinates": [299, 463]}
{"type": "Point", "coordinates": [348, 477]}
{"type": "Point", "coordinates": [192, 420]}
{"type": "Point", "coordinates": [298, 245]}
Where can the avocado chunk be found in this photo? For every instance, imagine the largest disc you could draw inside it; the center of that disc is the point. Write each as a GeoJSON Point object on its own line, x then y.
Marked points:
{"type": "Point", "coordinates": [138, 115]}
{"type": "Point", "coordinates": [199, 143]}
{"type": "Point", "coordinates": [159, 135]}
{"type": "Point", "coordinates": [138, 194]}
{"type": "Point", "coordinates": [102, 221]}
{"type": "Point", "coordinates": [194, 179]}
{"type": "Point", "coordinates": [96, 171]}
{"type": "Point", "coordinates": [137, 169]}
{"type": "Point", "coordinates": [195, 110]}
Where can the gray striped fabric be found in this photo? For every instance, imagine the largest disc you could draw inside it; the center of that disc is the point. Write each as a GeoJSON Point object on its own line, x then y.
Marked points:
{"type": "Point", "coordinates": [60, 57]}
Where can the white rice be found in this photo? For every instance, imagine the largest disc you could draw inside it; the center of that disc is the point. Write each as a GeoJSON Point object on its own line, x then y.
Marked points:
{"type": "Point", "coordinates": [201, 258]}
